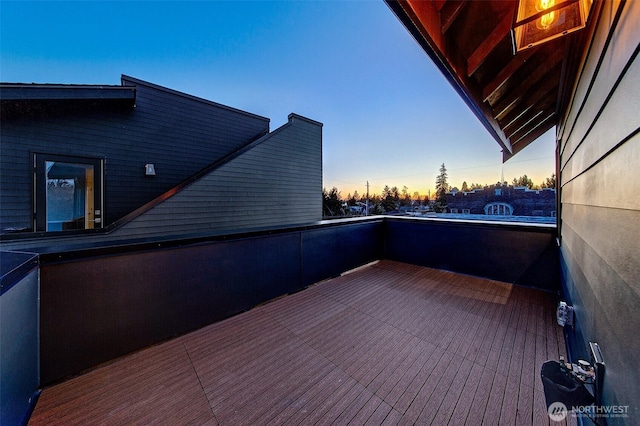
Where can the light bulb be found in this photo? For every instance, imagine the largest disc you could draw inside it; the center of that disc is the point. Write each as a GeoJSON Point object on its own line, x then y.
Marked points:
{"type": "Point", "coordinates": [548, 19]}
{"type": "Point", "coordinates": [544, 4]}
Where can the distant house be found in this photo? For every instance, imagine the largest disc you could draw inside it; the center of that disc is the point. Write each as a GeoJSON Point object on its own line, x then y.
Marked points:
{"type": "Point", "coordinates": [140, 160]}
{"type": "Point", "coordinates": [503, 200]}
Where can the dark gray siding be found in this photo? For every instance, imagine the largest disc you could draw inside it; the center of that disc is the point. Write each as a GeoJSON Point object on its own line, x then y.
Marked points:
{"type": "Point", "coordinates": [600, 208]}
{"type": "Point", "coordinates": [277, 182]}
{"type": "Point", "coordinates": [178, 133]}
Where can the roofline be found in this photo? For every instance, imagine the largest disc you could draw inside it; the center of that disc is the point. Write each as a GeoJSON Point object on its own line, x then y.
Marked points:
{"type": "Point", "coordinates": [125, 91]}
{"type": "Point", "coordinates": [51, 92]}
{"type": "Point", "coordinates": [137, 82]}
{"type": "Point", "coordinates": [293, 116]}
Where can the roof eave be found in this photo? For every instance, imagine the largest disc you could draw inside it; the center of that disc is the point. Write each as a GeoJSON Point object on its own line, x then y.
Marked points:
{"type": "Point", "coordinates": [426, 42]}
{"type": "Point", "coordinates": [46, 92]}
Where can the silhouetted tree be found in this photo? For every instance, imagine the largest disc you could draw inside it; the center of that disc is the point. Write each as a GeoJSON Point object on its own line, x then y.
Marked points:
{"type": "Point", "coordinates": [442, 186]}
{"type": "Point", "coordinates": [352, 200]}
{"type": "Point", "coordinates": [375, 205]}
{"type": "Point", "coordinates": [331, 203]}
{"type": "Point", "coordinates": [406, 198]}
{"type": "Point", "coordinates": [417, 198]}
{"type": "Point", "coordinates": [523, 181]}
{"type": "Point", "coordinates": [390, 198]}
{"type": "Point", "coordinates": [549, 182]}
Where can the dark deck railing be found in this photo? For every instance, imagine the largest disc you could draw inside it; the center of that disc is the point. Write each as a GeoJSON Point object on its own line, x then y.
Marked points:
{"type": "Point", "coordinates": [520, 253]}
{"type": "Point", "coordinates": [19, 349]}
{"type": "Point", "coordinates": [98, 303]}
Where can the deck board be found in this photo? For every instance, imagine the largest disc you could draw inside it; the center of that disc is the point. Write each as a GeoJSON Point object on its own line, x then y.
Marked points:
{"type": "Point", "coordinates": [390, 343]}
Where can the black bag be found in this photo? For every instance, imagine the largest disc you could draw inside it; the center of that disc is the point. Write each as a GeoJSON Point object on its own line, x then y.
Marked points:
{"type": "Point", "coordinates": [562, 386]}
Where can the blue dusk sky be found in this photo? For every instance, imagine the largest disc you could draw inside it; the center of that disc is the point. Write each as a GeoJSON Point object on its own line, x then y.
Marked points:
{"type": "Point", "coordinates": [389, 116]}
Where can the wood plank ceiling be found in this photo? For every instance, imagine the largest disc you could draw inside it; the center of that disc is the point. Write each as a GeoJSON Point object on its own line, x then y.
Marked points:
{"type": "Point", "coordinates": [516, 97]}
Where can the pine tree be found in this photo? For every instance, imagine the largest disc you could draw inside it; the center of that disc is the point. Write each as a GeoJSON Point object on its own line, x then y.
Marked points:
{"type": "Point", "coordinates": [442, 186]}
{"type": "Point", "coordinates": [523, 180]}
{"type": "Point", "coordinates": [331, 203]}
{"type": "Point", "coordinates": [550, 182]}
{"type": "Point", "coordinates": [389, 198]}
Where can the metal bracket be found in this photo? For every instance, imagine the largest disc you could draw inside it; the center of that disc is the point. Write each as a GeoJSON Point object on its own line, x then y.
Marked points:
{"type": "Point", "coordinates": [599, 367]}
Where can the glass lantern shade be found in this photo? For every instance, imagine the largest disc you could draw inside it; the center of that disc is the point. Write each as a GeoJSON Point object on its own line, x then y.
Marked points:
{"type": "Point", "coordinates": [539, 21]}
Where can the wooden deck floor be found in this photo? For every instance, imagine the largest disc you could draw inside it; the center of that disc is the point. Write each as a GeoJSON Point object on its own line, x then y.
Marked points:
{"type": "Point", "coordinates": [390, 343]}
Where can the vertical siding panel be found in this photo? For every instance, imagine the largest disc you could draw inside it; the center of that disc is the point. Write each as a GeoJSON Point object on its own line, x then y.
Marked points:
{"type": "Point", "coordinates": [600, 221]}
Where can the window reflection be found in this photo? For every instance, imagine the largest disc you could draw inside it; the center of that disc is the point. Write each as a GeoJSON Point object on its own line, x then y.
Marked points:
{"type": "Point", "coordinates": [70, 196]}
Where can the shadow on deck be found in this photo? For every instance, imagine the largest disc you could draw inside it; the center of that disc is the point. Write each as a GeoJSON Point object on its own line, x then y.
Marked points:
{"type": "Point", "coordinates": [390, 343]}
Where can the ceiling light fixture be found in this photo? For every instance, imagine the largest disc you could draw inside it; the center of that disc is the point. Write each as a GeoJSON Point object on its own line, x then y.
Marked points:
{"type": "Point", "coordinates": [539, 21]}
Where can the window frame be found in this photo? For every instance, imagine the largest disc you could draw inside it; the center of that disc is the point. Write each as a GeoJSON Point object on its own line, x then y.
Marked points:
{"type": "Point", "coordinates": [39, 190]}
{"type": "Point", "coordinates": [490, 209]}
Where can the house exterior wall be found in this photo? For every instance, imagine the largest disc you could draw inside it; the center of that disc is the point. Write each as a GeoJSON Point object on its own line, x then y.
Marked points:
{"type": "Point", "coordinates": [524, 202]}
{"type": "Point", "coordinates": [599, 154]}
{"type": "Point", "coordinates": [276, 182]}
{"type": "Point", "coordinates": [180, 134]}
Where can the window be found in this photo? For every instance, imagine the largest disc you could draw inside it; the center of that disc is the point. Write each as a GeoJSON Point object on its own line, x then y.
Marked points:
{"type": "Point", "coordinates": [68, 192]}
{"type": "Point", "coordinates": [498, 209]}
